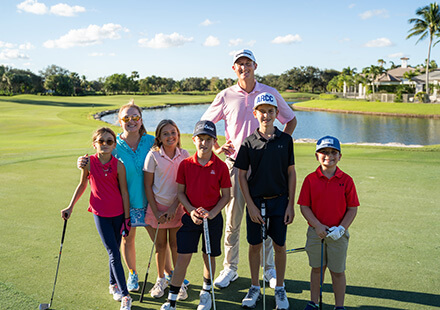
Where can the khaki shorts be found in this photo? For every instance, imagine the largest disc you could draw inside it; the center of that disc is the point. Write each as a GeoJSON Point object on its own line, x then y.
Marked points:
{"type": "Point", "coordinates": [335, 251]}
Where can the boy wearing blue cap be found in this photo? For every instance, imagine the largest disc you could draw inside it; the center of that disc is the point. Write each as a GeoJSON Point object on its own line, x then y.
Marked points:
{"type": "Point", "coordinates": [268, 154]}
{"type": "Point", "coordinates": [329, 202]}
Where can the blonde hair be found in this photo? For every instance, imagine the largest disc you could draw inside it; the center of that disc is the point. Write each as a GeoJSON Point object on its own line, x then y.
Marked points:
{"type": "Point", "coordinates": [100, 131]}
{"type": "Point", "coordinates": [129, 105]}
{"type": "Point", "coordinates": [157, 143]}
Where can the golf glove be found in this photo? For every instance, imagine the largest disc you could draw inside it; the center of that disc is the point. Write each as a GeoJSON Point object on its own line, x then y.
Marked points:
{"type": "Point", "coordinates": [336, 232]}
{"type": "Point", "coordinates": [126, 226]}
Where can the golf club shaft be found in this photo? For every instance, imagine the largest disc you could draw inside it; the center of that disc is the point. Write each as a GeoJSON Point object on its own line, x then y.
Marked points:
{"type": "Point", "coordinates": [322, 274]}
{"type": "Point", "coordinates": [59, 258]}
{"type": "Point", "coordinates": [264, 237]}
{"type": "Point", "coordinates": [148, 267]}
{"type": "Point", "coordinates": [208, 252]}
{"type": "Point", "coordinates": [295, 250]}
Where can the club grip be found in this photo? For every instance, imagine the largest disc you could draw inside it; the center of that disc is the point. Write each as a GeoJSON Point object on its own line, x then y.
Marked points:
{"type": "Point", "coordinates": [263, 226]}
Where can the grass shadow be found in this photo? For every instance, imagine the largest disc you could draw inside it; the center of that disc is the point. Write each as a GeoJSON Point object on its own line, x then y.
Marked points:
{"type": "Point", "coordinates": [57, 103]}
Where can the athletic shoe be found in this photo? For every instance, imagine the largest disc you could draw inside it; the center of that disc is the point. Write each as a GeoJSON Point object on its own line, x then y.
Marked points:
{"type": "Point", "coordinates": [205, 301]}
{"type": "Point", "coordinates": [251, 298]}
{"type": "Point", "coordinates": [182, 295]}
{"type": "Point", "coordinates": [115, 291]}
{"type": "Point", "coordinates": [126, 303]}
{"type": "Point", "coordinates": [225, 278]}
{"type": "Point", "coordinates": [159, 288]}
{"type": "Point", "coordinates": [281, 299]}
{"type": "Point", "coordinates": [311, 306]}
{"type": "Point", "coordinates": [132, 281]}
{"type": "Point", "coordinates": [340, 308]}
{"type": "Point", "coordinates": [167, 306]}
{"type": "Point", "coordinates": [270, 276]}
{"type": "Point", "coordinates": [168, 277]}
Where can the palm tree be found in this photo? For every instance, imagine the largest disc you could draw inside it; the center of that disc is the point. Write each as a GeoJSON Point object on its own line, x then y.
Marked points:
{"type": "Point", "coordinates": [381, 62]}
{"type": "Point", "coordinates": [426, 25]}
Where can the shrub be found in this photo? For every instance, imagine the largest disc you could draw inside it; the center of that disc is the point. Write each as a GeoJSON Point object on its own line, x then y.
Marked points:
{"type": "Point", "coordinates": [328, 96]}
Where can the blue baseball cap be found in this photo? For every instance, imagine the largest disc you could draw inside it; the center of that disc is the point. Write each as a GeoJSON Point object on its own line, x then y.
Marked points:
{"type": "Point", "coordinates": [205, 128]}
{"type": "Point", "coordinates": [328, 141]}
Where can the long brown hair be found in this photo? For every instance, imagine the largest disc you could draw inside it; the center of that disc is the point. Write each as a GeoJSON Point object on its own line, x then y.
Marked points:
{"type": "Point", "coordinates": [129, 105]}
{"type": "Point", "coordinates": [157, 143]}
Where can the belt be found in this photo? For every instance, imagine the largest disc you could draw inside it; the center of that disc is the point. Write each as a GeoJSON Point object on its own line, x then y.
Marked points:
{"type": "Point", "coordinates": [272, 197]}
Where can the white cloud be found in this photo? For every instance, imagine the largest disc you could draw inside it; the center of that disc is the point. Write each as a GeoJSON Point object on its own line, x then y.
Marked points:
{"type": "Point", "coordinates": [211, 41]}
{"type": "Point", "coordinates": [344, 40]}
{"type": "Point", "coordinates": [96, 54]}
{"type": "Point", "coordinates": [26, 46]}
{"type": "Point", "coordinates": [235, 42]}
{"type": "Point", "coordinates": [91, 35]}
{"type": "Point", "coordinates": [396, 55]}
{"type": "Point", "coordinates": [206, 23]}
{"type": "Point", "coordinates": [12, 54]}
{"type": "Point", "coordinates": [372, 13]}
{"type": "Point", "coordinates": [161, 40]}
{"type": "Point", "coordinates": [32, 6]}
{"type": "Point", "coordinates": [351, 6]}
{"type": "Point", "coordinates": [251, 43]}
{"type": "Point", "coordinates": [6, 44]}
{"type": "Point", "coordinates": [380, 42]}
{"type": "Point", "coordinates": [288, 39]}
{"type": "Point", "coordinates": [112, 54]}
{"type": "Point", "coordinates": [62, 9]}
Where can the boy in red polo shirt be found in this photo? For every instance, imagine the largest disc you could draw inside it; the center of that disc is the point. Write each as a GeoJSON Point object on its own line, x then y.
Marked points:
{"type": "Point", "coordinates": [329, 202]}
{"type": "Point", "coordinates": [203, 189]}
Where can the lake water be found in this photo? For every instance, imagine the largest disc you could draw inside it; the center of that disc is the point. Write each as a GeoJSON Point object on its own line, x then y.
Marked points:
{"type": "Point", "coordinates": [349, 128]}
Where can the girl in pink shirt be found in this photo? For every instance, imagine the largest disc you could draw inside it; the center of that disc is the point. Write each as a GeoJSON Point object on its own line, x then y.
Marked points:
{"type": "Point", "coordinates": [160, 171]}
{"type": "Point", "coordinates": [110, 205]}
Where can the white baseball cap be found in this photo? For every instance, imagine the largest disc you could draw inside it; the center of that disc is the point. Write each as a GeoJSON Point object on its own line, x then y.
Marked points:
{"type": "Point", "coordinates": [265, 98]}
{"type": "Point", "coordinates": [244, 53]}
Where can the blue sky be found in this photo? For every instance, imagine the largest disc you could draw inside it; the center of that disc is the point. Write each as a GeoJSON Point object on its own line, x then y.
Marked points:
{"type": "Point", "coordinates": [181, 39]}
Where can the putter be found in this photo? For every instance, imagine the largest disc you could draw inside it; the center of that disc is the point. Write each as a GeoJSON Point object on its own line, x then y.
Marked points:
{"type": "Point", "coordinates": [320, 282]}
{"type": "Point", "coordinates": [47, 306]}
{"type": "Point", "coordinates": [291, 251]}
{"type": "Point", "coordinates": [148, 268]}
{"type": "Point", "coordinates": [264, 237]}
{"type": "Point", "coordinates": [208, 251]}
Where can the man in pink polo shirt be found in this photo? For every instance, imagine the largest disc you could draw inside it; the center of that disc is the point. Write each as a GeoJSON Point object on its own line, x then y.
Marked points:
{"type": "Point", "coordinates": [234, 105]}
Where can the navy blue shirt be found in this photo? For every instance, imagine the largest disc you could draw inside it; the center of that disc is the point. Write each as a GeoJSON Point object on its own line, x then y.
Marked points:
{"type": "Point", "coordinates": [268, 161]}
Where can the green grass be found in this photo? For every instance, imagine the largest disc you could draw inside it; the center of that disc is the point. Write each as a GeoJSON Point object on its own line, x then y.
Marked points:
{"type": "Point", "coordinates": [394, 252]}
{"type": "Point", "coordinates": [378, 107]}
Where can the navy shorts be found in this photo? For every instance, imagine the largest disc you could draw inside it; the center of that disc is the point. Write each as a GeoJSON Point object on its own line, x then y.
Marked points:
{"type": "Point", "coordinates": [188, 235]}
{"type": "Point", "coordinates": [276, 229]}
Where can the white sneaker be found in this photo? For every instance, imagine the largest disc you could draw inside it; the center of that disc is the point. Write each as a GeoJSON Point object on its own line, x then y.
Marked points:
{"type": "Point", "coordinates": [182, 295]}
{"type": "Point", "coordinates": [225, 278]}
{"type": "Point", "coordinates": [126, 303]}
{"type": "Point", "coordinates": [167, 306]}
{"type": "Point", "coordinates": [205, 301]}
{"type": "Point", "coordinates": [115, 291]}
{"type": "Point", "coordinates": [270, 276]}
{"type": "Point", "coordinates": [159, 288]}
{"type": "Point", "coordinates": [281, 299]}
{"type": "Point", "coordinates": [251, 298]}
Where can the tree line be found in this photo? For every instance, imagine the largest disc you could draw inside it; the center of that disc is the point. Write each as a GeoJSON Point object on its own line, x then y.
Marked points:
{"type": "Point", "coordinates": [55, 80]}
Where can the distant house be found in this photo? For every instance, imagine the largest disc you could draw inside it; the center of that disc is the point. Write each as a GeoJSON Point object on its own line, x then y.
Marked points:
{"type": "Point", "coordinates": [395, 76]}
{"type": "Point", "coordinates": [434, 78]}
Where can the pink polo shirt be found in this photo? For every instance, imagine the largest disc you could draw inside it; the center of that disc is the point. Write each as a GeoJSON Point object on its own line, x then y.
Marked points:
{"type": "Point", "coordinates": [165, 172]}
{"type": "Point", "coordinates": [235, 106]}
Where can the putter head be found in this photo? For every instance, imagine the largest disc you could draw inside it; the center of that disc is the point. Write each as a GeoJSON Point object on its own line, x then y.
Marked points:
{"type": "Point", "coordinates": [44, 306]}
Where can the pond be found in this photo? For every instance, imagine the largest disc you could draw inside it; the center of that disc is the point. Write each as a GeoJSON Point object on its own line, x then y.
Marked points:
{"type": "Point", "coordinates": [349, 128]}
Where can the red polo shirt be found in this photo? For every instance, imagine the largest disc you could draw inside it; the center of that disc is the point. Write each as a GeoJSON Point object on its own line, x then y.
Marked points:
{"type": "Point", "coordinates": [203, 183]}
{"type": "Point", "coordinates": [328, 198]}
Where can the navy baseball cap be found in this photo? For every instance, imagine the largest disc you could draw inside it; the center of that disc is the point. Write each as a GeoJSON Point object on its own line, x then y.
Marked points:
{"type": "Point", "coordinates": [205, 128]}
{"type": "Point", "coordinates": [328, 141]}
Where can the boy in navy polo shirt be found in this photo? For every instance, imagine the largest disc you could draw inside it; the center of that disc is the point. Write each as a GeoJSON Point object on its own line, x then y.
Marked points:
{"type": "Point", "coordinates": [268, 154]}
{"type": "Point", "coordinates": [203, 189]}
{"type": "Point", "coordinates": [329, 202]}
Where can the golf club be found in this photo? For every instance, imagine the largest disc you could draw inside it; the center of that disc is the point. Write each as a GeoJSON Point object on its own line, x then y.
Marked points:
{"type": "Point", "coordinates": [291, 251]}
{"type": "Point", "coordinates": [208, 251]}
{"type": "Point", "coordinates": [47, 306]}
{"type": "Point", "coordinates": [149, 262]}
{"type": "Point", "coordinates": [264, 237]}
{"type": "Point", "coordinates": [322, 273]}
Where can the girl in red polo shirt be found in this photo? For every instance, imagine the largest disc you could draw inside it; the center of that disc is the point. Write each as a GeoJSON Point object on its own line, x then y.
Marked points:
{"type": "Point", "coordinates": [110, 205]}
